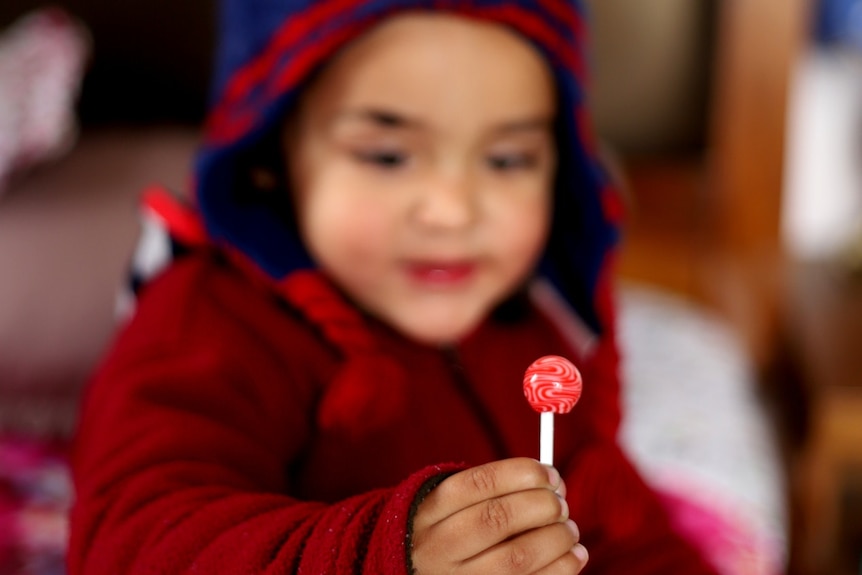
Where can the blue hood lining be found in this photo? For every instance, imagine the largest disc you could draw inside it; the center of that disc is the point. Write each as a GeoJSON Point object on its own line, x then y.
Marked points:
{"type": "Point", "coordinates": [263, 227]}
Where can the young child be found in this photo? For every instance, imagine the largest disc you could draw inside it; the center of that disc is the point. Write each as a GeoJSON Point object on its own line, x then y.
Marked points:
{"type": "Point", "coordinates": [398, 209]}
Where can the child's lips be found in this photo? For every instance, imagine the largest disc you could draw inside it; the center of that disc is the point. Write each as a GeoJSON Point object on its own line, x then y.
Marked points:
{"type": "Point", "coordinates": [442, 274]}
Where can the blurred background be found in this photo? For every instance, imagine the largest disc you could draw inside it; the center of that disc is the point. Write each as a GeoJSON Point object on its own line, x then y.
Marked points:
{"type": "Point", "coordinates": [733, 130]}
{"type": "Point", "coordinates": [736, 129]}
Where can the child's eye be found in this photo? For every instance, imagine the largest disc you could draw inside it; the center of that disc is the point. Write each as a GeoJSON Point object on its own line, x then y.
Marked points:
{"type": "Point", "coordinates": [506, 162]}
{"type": "Point", "coordinates": [382, 158]}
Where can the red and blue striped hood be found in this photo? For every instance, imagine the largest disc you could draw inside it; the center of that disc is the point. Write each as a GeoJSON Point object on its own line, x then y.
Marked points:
{"type": "Point", "coordinates": [269, 48]}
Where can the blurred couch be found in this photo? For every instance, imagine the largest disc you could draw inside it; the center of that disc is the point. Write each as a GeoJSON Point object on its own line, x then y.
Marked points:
{"type": "Point", "coordinates": [67, 226]}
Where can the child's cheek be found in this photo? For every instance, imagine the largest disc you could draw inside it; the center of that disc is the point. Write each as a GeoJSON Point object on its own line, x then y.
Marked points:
{"type": "Point", "coordinates": [345, 225]}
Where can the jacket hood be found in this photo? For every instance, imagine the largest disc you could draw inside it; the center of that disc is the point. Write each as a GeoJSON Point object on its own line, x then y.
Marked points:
{"type": "Point", "coordinates": [268, 50]}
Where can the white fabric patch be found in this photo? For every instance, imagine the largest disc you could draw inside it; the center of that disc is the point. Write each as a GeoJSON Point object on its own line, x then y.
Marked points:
{"type": "Point", "coordinates": [693, 421]}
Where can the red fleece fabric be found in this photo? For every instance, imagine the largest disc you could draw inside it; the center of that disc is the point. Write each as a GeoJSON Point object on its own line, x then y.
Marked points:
{"type": "Point", "coordinates": [217, 437]}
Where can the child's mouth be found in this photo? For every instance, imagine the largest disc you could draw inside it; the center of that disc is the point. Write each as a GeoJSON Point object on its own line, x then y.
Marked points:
{"type": "Point", "coordinates": [441, 274]}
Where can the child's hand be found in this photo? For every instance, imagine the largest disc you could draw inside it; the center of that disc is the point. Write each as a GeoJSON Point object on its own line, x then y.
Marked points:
{"type": "Point", "coordinates": [505, 517]}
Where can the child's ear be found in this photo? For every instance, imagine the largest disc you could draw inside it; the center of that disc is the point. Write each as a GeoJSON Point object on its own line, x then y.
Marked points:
{"type": "Point", "coordinates": [264, 179]}
{"type": "Point", "coordinates": [264, 172]}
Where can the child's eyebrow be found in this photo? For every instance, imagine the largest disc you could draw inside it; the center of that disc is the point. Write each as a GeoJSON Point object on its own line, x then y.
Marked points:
{"type": "Point", "coordinates": [380, 117]}
{"type": "Point", "coordinates": [392, 119]}
{"type": "Point", "coordinates": [527, 125]}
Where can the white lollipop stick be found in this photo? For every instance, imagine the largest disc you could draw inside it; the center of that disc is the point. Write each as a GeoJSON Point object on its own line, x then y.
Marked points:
{"type": "Point", "coordinates": [546, 438]}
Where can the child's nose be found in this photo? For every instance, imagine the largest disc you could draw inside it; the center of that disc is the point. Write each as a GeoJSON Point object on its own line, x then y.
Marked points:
{"type": "Point", "coordinates": [449, 203]}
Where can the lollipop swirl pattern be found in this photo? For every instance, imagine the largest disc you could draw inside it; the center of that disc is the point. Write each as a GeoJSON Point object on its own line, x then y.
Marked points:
{"type": "Point", "coordinates": [552, 384]}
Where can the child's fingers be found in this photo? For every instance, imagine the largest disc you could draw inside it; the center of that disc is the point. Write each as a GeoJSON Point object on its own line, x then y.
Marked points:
{"type": "Point", "coordinates": [474, 531]}
{"type": "Point", "coordinates": [547, 550]}
{"type": "Point", "coordinates": [482, 483]}
{"type": "Point", "coordinates": [569, 563]}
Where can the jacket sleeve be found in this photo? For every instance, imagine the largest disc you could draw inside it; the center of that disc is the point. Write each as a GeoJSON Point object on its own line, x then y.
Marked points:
{"type": "Point", "coordinates": [169, 482]}
{"type": "Point", "coordinates": [626, 529]}
{"type": "Point", "coordinates": [180, 466]}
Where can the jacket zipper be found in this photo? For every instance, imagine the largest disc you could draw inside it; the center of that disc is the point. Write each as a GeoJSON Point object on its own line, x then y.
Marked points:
{"type": "Point", "coordinates": [462, 383]}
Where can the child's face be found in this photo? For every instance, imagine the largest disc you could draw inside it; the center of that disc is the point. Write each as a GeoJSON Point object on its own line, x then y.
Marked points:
{"type": "Point", "coordinates": [422, 159]}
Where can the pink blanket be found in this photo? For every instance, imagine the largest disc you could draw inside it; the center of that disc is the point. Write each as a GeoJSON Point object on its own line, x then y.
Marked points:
{"type": "Point", "coordinates": [35, 492]}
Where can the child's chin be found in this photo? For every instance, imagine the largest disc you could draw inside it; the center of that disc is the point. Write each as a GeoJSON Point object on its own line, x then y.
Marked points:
{"type": "Point", "coordinates": [438, 333]}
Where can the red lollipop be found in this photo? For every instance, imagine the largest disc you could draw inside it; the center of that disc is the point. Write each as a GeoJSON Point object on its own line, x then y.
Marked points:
{"type": "Point", "coordinates": [552, 384]}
